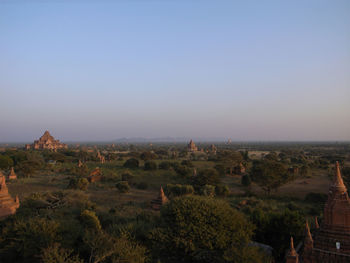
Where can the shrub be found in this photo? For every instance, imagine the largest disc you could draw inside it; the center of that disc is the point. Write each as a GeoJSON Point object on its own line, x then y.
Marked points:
{"type": "Point", "coordinates": [127, 176]}
{"type": "Point", "coordinates": [208, 190]}
{"type": "Point", "coordinates": [78, 183]}
{"type": "Point", "coordinates": [316, 198]}
{"type": "Point", "coordinates": [246, 181]}
{"type": "Point", "coordinates": [123, 186]}
{"type": "Point", "coordinates": [187, 163]}
{"type": "Point", "coordinates": [89, 219]}
{"type": "Point", "coordinates": [150, 165]}
{"type": "Point", "coordinates": [165, 165]}
{"type": "Point", "coordinates": [142, 185]}
{"type": "Point", "coordinates": [174, 190]}
{"type": "Point", "coordinates": [182, 170]}
{"type": "Point", "coordinates": [131, 163]}
{"type": "Point", "coordinates": [222, 190]}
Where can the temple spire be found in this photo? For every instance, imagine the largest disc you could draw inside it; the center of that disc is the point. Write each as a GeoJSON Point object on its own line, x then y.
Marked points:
{"type": "Point", "coordinates": [292, 256]}
{"type": "Point", "coordinates": [338, 184]}
{"type": "Point", "coordinates": [308, 236]}
{"type": "Point", "coordinates": [317, 226]}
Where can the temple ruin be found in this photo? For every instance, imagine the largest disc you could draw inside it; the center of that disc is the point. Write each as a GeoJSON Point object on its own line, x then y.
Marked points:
{"type": "Point", "coordinates": [46, 142]}
{"type": "Point", "coordinates": [191, 147]}
{"type": "Point", "coordinates": [160, 200]}
{"type": "Point", "coordinates": [330, 241]}
{"type": "Point", "coordinates": [8, 205]}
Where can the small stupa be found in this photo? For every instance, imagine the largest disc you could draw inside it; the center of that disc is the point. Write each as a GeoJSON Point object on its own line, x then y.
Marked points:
{"type": "Point", "coordinates": [160, 200]}
{"type": "Point", "coordinates": [8, 205]}
{"type": "Point", "coordinates": [12, 175]}
{"type": "Point", "coordinates": [292, 256]}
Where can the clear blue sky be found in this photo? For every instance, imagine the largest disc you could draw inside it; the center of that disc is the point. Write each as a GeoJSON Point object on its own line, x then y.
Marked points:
{"type": "Point", "coordinates": [246, 70]}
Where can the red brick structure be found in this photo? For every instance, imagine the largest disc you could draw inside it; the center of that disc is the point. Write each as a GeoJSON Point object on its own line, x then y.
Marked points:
{"type": "Point", "coordinates": [12, 175]}
{"type": "Point", "coordinates": [160, 200]}
{"type": "Point", "coordinates": [8, 205]}
{"type": "Point", "coordinates": [46, 142]}
{"type": "Point", "coordinates": [292, 255]}
{"type": "Point", "coordinates": [95, 175]}
{"type": "Point", "coordinates": [191, 147]}
{"type": "Point", "coordinates": [331, 241]}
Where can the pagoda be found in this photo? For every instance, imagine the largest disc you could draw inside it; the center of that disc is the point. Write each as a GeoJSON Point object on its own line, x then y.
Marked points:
{"type": "Point", "coordinates": [46, 142]}
{"type": "Point", "coordinates": [191, 147]}
{"type": "Point", "coordinates": [160, 200]}
{"type": "Point", "coordinates": [292, 255]}
{"type": "Point", "coordinates": [331, 241]}
{"type": "Point", "coordinates": [8, 205]}
{"type": "Point", "coordinates": [12, 175]}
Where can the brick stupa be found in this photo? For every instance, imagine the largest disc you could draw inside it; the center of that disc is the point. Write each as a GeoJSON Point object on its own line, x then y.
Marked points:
{"type": "Point", "coordinates": [8, 205]}
{"type": "Point", "coordinates": [12, 175]}
{"type": "Point", "coordinates": [292, 255]}
{"type": "Point", "coordinates": [191, 147]}
{"type": "Point", "coordinates": [331, 241]}
{"type": "Point", "coordinates": [160, 200]}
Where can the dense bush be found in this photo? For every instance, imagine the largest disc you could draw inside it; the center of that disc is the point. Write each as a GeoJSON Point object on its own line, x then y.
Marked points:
{"type": "Point", "coordinates": [174, 190]}
{"type": "Point", "coordinates": [78, 183]}
{"type": "Point", "coordinates": [222, 190]}
{"type": "Point", "coordinates": [316, 198]}
{"type": "Point", "coordinates": [165, 165]}
{"type": "Point", "coordinates": [142, 185]}
{"type": "Point", "coordinates": [187, 163]}
{"type": "Point", "coordinates": [90, 221]}
{"type": "Point", "coordinates": [246, 181]}
{"type": "Point", "coordinates": [208, 190]}
{"type": "Point", "coordinates": [198, 229]}
{"type": "Point", "coordinates": [131, 163]}
{"type": "Point", "coordinates": [123, 186]}
{"type": "Point", "coordinates": [127, 176]}
{"type": "Point", "coordinates": [150, 165]}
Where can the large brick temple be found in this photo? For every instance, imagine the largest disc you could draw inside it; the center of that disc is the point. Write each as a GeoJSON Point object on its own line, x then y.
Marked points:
{"type": "Point", "coordinates": [46, 142]}
{"type": "Point", "coordinates": [330, 243]}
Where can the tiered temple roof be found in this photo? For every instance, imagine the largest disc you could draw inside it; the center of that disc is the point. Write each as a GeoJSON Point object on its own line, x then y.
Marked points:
{"type": "Point", "coordinates": [47, 142]}
{"type": "Point", "coordinates": [331, 241]}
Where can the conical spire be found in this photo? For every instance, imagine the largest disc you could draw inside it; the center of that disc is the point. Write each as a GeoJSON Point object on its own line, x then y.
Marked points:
{"type": "Point", "coordinates": [292, 256]}
{"type": "Point", "coordinates": [292, 251]}
{"type": "Point", "coordinates": [317, 226]}
{"type": "Point", "coordinates": [162, 196]}
{"type": "Point", "coordinates": [338, 184]}
{"type": "Point", "coordinates": [308, 236]}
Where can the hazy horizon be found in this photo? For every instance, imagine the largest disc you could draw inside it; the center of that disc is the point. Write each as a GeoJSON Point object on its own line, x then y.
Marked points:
{"type": "Point", "coordinates": [245, 70]}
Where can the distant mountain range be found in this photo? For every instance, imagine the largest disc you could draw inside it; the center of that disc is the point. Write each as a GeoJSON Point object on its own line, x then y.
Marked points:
{"type": "Point", "coordinates": [167, 139]}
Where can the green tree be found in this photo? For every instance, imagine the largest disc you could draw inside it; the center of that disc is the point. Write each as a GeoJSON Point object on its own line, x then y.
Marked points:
{"type": "Point", "coordinates": [25, 238]}
{"type": "Point", "coordinates": [229, 159]}
{"type": "Point", "coordinates": [269, 175]}
{"type": "Point", "coordinates": [201, 229]}
{"type": "Point", "coordinates": [150, 165]}
{"type": "Point", "coordinates": [56, 254]}
{"type": "Point", "coordinates": [5, 162]}
{"type": "Point", "coordinates": [131, 163]}
{"type": "Point", "coordinates": [206, 177]}
{"type": "Point", "coordinates": [123, 186]}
